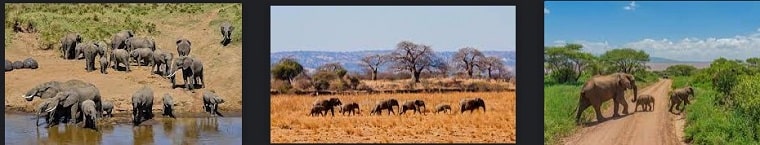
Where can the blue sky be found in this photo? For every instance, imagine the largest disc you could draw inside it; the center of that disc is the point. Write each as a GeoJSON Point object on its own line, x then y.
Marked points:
{"type": "Point", "coordinates": [694, 31]}
{"type": "Point", "coordinates": [351, 28]}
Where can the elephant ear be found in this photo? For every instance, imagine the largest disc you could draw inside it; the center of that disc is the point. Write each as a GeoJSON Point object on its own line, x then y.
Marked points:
{"type": "Point", "coordinates": [624, 81]}
{"type": "Point", "coordinates": [218, 100]}
{"type": "Point", "coordinates": [71, 99]}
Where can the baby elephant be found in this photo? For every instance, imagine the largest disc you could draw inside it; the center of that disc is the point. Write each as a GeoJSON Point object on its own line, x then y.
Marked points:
{"type": "Point", "coordinates": [103, 65]}
{"type": "Point", "coordinates": [30, 63]}
{"type": "Point", "coordinates": [316, 110]}
{"type": "Point", "coordinates": [211, 103]}
{"type": "Point", "coordinates": [90, 114]}
{"type": "Point", "coordinates": [107, 108]}
{"type": "Point", "coordinates": [646, 102]}
{"type": "Point", "coordinates": [350, 108]}
{"type": "Point", "coordinates": [168, 106]}
{"type": "Point", "coordinates": [443, 108]}
{"type": "Point", "coordinates": [414, 105]}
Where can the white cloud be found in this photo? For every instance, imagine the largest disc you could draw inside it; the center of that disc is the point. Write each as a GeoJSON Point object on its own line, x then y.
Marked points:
{"type": "Point", "coordinates": [631, 6]}
{"type": "Point", "coordinates": [687, 49]}
{"type": "Point", "coordinates": [546, 11]}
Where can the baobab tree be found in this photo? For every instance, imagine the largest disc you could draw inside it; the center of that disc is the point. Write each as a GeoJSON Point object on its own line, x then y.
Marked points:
{"type": "Point", "coordinates": [373, 62]}
{"type": "Point", "coordinates": [413, 58]}
{"type": "Point", "coordinates": [467, 59]}
{"type": "Point", "coordinates": [491, 63]}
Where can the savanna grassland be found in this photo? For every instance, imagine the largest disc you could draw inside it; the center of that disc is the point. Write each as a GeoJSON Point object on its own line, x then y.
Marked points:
{"type": "Point", "coordinates": [291, 122]}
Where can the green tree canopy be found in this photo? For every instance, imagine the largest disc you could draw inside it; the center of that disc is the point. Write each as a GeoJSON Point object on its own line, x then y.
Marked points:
{"type": "Point", "coordinates": [566, 63]}
{"type": "Point", "coordinates": [626, 60]}
{"type": "Point", "coordinates": [287, 69]}
{"type": "Point", "coordinates": [680, 70]}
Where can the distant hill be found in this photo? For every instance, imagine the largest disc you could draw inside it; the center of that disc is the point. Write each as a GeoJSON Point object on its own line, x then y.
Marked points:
{"type": "Point", "coordinates": [351, 59]}
{"type": "Point", "coordinates": [659, 63]}
{"type": "Point", "coordinates": [666, 60]}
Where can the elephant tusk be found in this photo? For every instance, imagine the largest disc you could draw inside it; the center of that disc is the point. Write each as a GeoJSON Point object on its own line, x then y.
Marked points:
{"type": "Point", "coordinates": [27, 97]}
{"type": "Point", "coordinates": [171, 75]}
{"type": "Point", "coordinates": [51, 109]}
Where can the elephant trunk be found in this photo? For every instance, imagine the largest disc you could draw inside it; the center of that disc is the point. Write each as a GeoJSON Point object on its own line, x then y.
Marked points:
{"type": "Point", "coordinates": [635, 92]}
{"type": "Point", "coordinates": [484, 107]}
{"type": "Point", "coordinates": [38, 118]}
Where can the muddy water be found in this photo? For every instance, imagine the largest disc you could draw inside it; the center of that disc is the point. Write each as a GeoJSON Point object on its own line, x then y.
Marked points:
{"type": "Point", "coordinates": [20, 129]}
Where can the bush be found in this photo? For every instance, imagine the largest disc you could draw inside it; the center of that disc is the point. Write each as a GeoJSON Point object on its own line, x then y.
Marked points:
{"type": "Point", "coordinates": [747, 96]}
{"type": "Point", "coordinates": [281, 86]}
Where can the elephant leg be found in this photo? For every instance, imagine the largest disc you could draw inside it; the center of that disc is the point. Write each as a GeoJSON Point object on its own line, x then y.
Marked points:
{"type": "Point", "coordinates": [74, 114]}
{"type": "Point", "coordinates": [582, 105]}
{"type": "Point", "coordinates": [598, 112]}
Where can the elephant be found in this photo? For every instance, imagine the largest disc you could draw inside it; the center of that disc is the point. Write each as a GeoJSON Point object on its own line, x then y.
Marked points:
{"type": "Point", "coordinates": [79, 51]}
{"type": "Point", "coordinates": [140, 42]}
{"type": "Point", "coordinates": [91, 51]}
{"type": "Point", "coordinates": [72, 99]}
{"type": "Point", "coordinates": [107, 109]}
{"type": "Point", "coordinates": [104, 65]}
{"type": "Point", "coordinates": [317, 110]}
{"type": "Point", "coordinates": [17, 27]}
{"type": "Point", "coordinates": [211, 103]}
{"type": "Point", "coordinates": [471, 104]}
{"type": "Point", "coordinates": [183, 47]}
{"type": "Point", "coordinates": [680, 96]}
{"type": "Point", "coordinates": [168, 106]}
{"type": "Point", "coordinates": [162, 58]}
{"type": "Point", "coordinates": [18, 64]}
{"type": "Point", "coordinates": [599, 89]}
{"type": "Point", "coordinates": [8, 65]}
{"type": "Point", "coordinates": [120, 56]}
{"type": "Point", "coordinates": [117, 41]}
{"type": "Point", "coordinates": [50, 89]}
{"type": "Point", "coordinates": [412, 105]}
{"type": "Point", "coordinates": [684, 93]}
{"type": "Point", "coordinates": [142, 105]}
{"type": "Point", "coordinates": [68, 45]}
{"type": "Point", "coordinates": [383, 105]}
{"type": "Point", "coordinates": [442, 108]}
{"type": "Point", "coordinates": [143, 56]}
{"type": "Point", "coordinates": [46, 109]}
{"type": "Point", "coordinates": [192, 71]}
{"type": "Point", "coordinates": [351, 108]}
{"type": "Point", "coordinates": [328, 104]}
{"type": "Point", "coordinates": [226, 29]}
{"type": "Point", "coordinates": [90, 114]}
{"type": "Point", "coordinates": [30, 63]}
{"type": "Point", "coordinates": [646, 102]}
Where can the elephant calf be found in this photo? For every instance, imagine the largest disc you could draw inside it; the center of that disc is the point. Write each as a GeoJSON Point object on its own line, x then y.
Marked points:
{"type": "Point", "coordinates": [103, 65]}
{"type": "Point", "coordinates": [120, 56]}
{"type": "Point", "coordinates": [414, 105]}
{"type": "Point", "coordinates": [317, 110]}
{"type": "Point", "coordinates": [328, 104]}
{"type": "Point", "coordinates": [211, 103]}
{"type": "Point", "coordinates": [30, 63]}
{"type": "Point", "coordinates": [160, 59]}
{"type": "Point", "coordinates": [384, 105]}
{"type": "Point", "coordinates": [646, 102]}
{"type": "Point", "coordinates": [183, 47]}
{"type": "Point", "coordinates": [107, 108]}
{"type": "Point", "coordinates": [90, 114]}
{"type": "Point", "coordinates": [226, 29]}
{"type": "Point", "coordinates": [443, 108]}
{"type": "Point", "coordinates": [143, 56]}
{"type": "Point", "coordinates": [142, 105]}
{"type": "Point", "coordinates": [351, 108]}
{"type": "Point", "coordinates": [472, 104]}
{"type": "Point", "coordinates": [168, 106]}
{"type": "Point", "coordinates": [8, 65]}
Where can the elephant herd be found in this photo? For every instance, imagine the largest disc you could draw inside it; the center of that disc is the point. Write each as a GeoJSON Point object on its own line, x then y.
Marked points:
{"type": "Point", "coordinates": [28, 63]}
{"type": "Point", "coordinates": [74, 101]}
{"type": "Point", "coordinates": [322, 106]}
{"type": "Point", "coordinates": [600, 89]}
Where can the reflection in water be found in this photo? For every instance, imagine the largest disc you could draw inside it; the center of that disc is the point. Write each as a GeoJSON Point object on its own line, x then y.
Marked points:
{"type": "Point", "coordinates": [227, 130]}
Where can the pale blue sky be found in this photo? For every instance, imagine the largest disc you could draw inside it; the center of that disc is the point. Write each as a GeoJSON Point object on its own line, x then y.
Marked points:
{"type": "Point", "coordinates": [351, 28]}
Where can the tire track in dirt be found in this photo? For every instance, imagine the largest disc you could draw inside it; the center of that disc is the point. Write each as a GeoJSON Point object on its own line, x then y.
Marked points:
{"type": "Point", "coordinates": [656, 127]}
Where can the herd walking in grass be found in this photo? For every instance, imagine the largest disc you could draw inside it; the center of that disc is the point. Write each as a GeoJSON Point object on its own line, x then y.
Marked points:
{"type": "Point", "coordinates": [323, 106]}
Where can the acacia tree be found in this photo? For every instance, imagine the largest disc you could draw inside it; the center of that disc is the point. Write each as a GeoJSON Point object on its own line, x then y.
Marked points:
{"type": "Point", "coordinates": [334, 67]}
{"type": "Point", "coordinates": [287, 69]}
{"type": "Point", "coordinates": [566, 63]}
{"type": "Point", "coordinates": [467, 59]}
{"type": "Point", "coordinates": [373, 63]}
{"type": "Point", "coordinates": [414, 58]}
{"type": "Point", "coordinates": [626, 60]}
{"type": "Point", "coordinates": [491, 63]}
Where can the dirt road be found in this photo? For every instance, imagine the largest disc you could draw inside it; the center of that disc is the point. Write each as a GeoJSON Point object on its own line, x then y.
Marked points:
{"type": "Point", "coordinates": [652, 128]}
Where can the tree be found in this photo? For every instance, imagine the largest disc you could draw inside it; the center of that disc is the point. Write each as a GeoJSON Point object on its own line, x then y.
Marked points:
{"type": "Point", "coordinates": [491, 63]}
{"type": "Point", "coordinates": [626, 60]}
{"type": "Point", "coordinates": [335, 67]}
{"type": "Point", "coordinates": [413, 58]}
{"type": "Point", "coordinates": [680, 70]}
{"type": "Point", "coordinates": [566, 63]}
{"type": "Point", "coordinates": [373, 63]}
{"type": "Point", "coordinates": [287, 69]}
{"type": "Point", "coordinates": [467, 59]}
{"type": "Point", "coordinates": [753, 62]}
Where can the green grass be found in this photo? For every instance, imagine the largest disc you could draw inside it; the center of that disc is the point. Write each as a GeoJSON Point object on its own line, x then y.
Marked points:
{"type": "Point", "coordinates": [98, 22]}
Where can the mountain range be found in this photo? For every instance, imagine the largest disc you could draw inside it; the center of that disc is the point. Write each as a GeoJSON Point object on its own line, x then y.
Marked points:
{"type": "Point", "coordinates": [351, 59]}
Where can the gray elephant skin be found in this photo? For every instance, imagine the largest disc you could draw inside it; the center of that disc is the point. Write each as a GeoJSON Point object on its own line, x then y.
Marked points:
{"type": "Point", "coordinates": [45, 109]}
{"type": "Point", "coordinates": [414, 105]}
{"type": "Point", "coordinates": [117, 41]}
{"type": "Point", "coordinates": [226, 29]}
{"type": "Point", "coordinates": [183, 47]}
{"type": "Point", "coordinates": [30, 63]}
{"type": "Point", "coordinates": [351, 108]}
{"type": "Point", "coordinates": [600, 89]}
{"type": "Point", "coordinates": [160, 59]}
{"type": "Point", "coordinates": [104, 65]}
{"type": "Point", "coordinates": [143, 56]}
{"type": "Point", "coordinates": [317, 110]}
{"type": "Point", "coordinates": [90, 114]}
{"type": "Point", "coordinates": [328, 104]}
{"type": "Point", "coordinates": [168, 106]}
{"type": "Point", "coordinates": [679, 98]}
{"type": "Point", "coordinates": [91, 51]}
{"type": "Point", "coordinates": [18, 64]}
{"type": "Point", "coordinates": [471, 104]}
{"type": "Point", "coordinates": [211, 103]}
{"type": "Point", "coordinates": [8, 65]}
{"type": "Point", "coordinates": [192, 72]}
{"type": "Point", "coordinates": [120, 56]}
{"type": "Point", "coordinates": [442, 108]}
{"type": "Point", "coordinates": [142, 105]}
{"type": "Point", "coordinates": [140, 42]}
{"type": "Point", "coordinates": [107, 109]}
{"type": "Point", "coordinates": [72, 99]}
{"type": "Point", "coordinates": [385, 105]}
{"type": "Point", "coordinates": [68, 45]}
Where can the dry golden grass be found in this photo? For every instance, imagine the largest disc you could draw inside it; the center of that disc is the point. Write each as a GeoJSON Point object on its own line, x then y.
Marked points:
{"type": "Point", "coordinates": [291, 123]}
